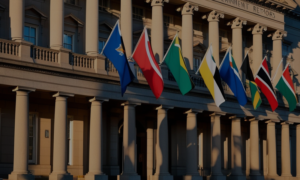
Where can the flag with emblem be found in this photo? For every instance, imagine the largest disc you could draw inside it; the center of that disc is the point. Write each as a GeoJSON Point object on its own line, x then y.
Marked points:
{"type": "Point", "coordinates": [286, 88]}
{"type": "Point", "coordinates": [246, 69]}
{"type": "Point", "coordinates": [230, 74]}
{"type": "Point", "coordinates": [176, 64]}
{"type": "Point", "coordinates": [115, 52]}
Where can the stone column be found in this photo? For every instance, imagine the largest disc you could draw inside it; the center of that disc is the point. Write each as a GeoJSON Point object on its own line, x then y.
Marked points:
{"type": "Point", "coordinates": [129, 143]}
{"type": "Point", "coordinates": [298, 150]}
{"type": "Point", "coordinates": [237, 41]}
{"type": "Point", "coordinates": [95, 161]}
{"type": "Point", "coordinates": [56, 24]}
{"type": "Point", "coordinates": [20, 166]}
{"type": "Point", "coordinates": [16, 15]}
{"type": "Point", "coordinates": [255, 173]}
{"type": "Point", "coordinates": [126, 25]}
{"type": "Point", "coordinates": [150, 148]}
{"type": "Point", "coordinates": [59, 171]}
{"type": "Point", "coordinates": [162, 149]}
{"type": "Point", "coordinates": [277, 55]}
{"type": "Point", "coordinates": [191, 146]}
{"type": "Point", "coordinates": [187, 36]}
{"type": "Point", "coordinates": [271, 146]}
{"type": "Point", "coordinates": [257, 46]}
{"type": "Point", "coordinates": [213, 35]}
{"type": "Point", "coordinates": [92, 27]}
{"type": "Point", "coordinates": [236, 150]}
{"type": "Point", "coordinates": [216, 148]}
{"type": "Point", "coordinates": [285, 150]}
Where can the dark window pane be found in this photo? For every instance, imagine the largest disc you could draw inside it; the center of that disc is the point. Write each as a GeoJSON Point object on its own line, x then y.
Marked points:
{"type": "Point", "coordinates": [26, 31]}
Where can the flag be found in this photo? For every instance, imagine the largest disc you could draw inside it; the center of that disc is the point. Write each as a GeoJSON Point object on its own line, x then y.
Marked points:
{"type": "Point", "coordinates": [230, 74]}
{"type": "Point", "coordinates": [210, 74]}
{"type": "Point", "coordinates": [255, 96]}
{"type": "Point", "coordinates": [263, 81]}
{"type": "Point", "coordinates": [144, 57]}
{"type": "Point", "coordinates": [115, 52]}
{"type": "Point", "coordinates": [286, 88]}
{"type": "Point", "coordinates": [176, 64]}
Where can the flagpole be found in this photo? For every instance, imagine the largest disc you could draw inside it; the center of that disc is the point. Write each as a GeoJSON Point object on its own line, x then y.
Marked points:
{"type": "Point", "coordinates": [138, 43]}
{"type": "Point", "coordinates": [203, 58]}
{"type": "Point", "coordinates": [225, 56]}
{"type": "Point", "coordinates": [277, 69]}
{"type": "Point", "coordinates": [169, 48]}
{"type": "Point", "coordinates": [110, 36]}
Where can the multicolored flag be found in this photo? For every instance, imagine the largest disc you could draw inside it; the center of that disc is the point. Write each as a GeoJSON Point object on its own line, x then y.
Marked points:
{"type": "Point", "coordinates": [286, 88]}
{"type": "Point", "coordinates": [176, 64]}
{"type": "Point", "coordinates": [210, 74]}
{"type": "Point", "coordinates": [263, 81]}
{"type": "Point", "coordinates": [246, 69]}
{"type": "Point", "coordinates": [115, 52]}
{"type": "Point", "coordinates": [144, 57]}
{"type": "Point", "coordinates": [230, 74]}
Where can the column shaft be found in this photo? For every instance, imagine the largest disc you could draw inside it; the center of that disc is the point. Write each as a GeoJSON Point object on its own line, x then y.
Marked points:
{"type": "Point", "coordinates": [237, 42]}
{"type": "Point", "coordinates": [126, 25]}
{"type": "Point", "coordinates": [16, 14]}
{"type": "Point", "coordinates": [271, 140]}
{"type": "Point", "coordinates": [191, 144]}
{"type": "Point", "coordinates": [285, 150]}
{"type": "Point", "coordinates": [187, 40]}
{"type": "Point", "coordinates": [213, 38]}
{"type": "Point", "coordinates": [56, 24]}
{"type": "Point", "coordinates": [157, 31]}
{"type": "Point", "coordinates": [257, 51]}
{"type": "Point", "coordinates": [91, 28]}
{"type": "Point", "coordinates": [236, 147]}
{"type": "Point", "coordinates": [277, 56]}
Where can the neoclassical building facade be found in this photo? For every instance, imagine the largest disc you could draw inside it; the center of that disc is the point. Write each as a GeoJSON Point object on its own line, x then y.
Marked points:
{"type": "Point", "coordinates": [62, 115]}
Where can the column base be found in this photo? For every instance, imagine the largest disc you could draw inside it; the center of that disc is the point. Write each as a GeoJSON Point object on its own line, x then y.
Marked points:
{"type": "Point", "coordinates": [128, 177]}
{"type": "Point", "coordinates": [256, 177]}
{"type": "Point", "coordinates": [192, 177]}
{"type": "Point", "coordinates": [15, 176]}
{"type": "Point", "coordinates": [90, 176]}
{"type": "Point", "coordinates": [161, 177]}
{"type": "Point", "coordinates": [237, 177]}
{"type": "Point", "coordinates": [57, 176]}
{"type": "Point", "coordinates": [216, 177]}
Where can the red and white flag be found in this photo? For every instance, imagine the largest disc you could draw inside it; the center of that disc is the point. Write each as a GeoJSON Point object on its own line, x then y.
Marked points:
{"type": "Point", "coordinates": [144, 57]}
{"type": "Point", "coordinates": [263, 81]}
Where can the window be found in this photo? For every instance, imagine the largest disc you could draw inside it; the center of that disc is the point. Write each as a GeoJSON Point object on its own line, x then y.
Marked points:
{"type": "Point", "coordinates": [71, 1]}
{"type": "Point", "coordinates": [137, 13]}
{"type": "Point", "coordinates": [101, 45]}
{"type": "Point", "coordinates": [285, 49]}
{"type": "Point", "coordinates": [197, 62]}
{"type": "Point", "coordinates": [167, 20]}
{"type": "Point", "coordinates": [32, 137]}
{"type": "Point", "coordinates": [68, 41]}
{"type": "Point", "coordinates": [103, 5]}
{"type": "Point", "coordinates": [30, 34]}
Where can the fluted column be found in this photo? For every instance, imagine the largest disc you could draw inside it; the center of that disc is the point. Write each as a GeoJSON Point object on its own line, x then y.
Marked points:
{"type": "Point", "coordinates": [162, 149]}
{"type": "Point", "coordinates": [213, 35]}
{"type": "Point", "coordinates": [257, 46]}
{"type": "Point", "coordinates": [271, 146]}
{"type": "Point", "coordinates": [191, 146]}
{"type": "Point", "coordinates": [298, 150]}
{"type": "Point", "coordinates": [188, 34]}
{"type": "Point", "coordinates": [285, 150]}
{"type": "Point", "coordinates": [255, 173]}
{"type": "Point", "coordinates": [16, 15]}
{"type": "Point", "coordinates": [56, 24]}
{"type": "Point", "coordinates": [216, 148]}
{"type": "Point", "coordinates": [92, 27]}
{"type": "Point", "coordinates": [236, 150]}
{"type": "Point", "coordinates": [129, 143]}
{"type": "Point", "coordinates": [126, 25]}
{"type": "Point", "coordinates": [277, 55]}
{"type": "Point", "coordinates": [59, 171]}
{"type": "Point", "coordinates": [20, 166]}
{"type": "Point", "coordinates": [95, 161]}
{"type": "Point", "coordinates": [237, 40]}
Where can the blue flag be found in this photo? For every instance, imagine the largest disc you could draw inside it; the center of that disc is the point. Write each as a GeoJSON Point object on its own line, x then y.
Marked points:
{"type": "Point", "coordinates": [230, 74]}
{"type": "Point", "coordinates": [115, 52]}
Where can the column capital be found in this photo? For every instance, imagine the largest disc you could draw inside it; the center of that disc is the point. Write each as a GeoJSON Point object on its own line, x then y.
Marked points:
{"type": "Point", "coordinates": [188, 9]}
{"type": "Point", "coordinates": [157, 2]}
{"type": "Point", "coordinates": [278, 35]}
{"type": "Point", "coordinates": [237, 23]}
{"type": "Point", "coordinates": [287, 123]}
{"type": "Point", "coordinates": [164, 107]}
{"type": "Point", "coordinates": [130, 103]}
{"type": "Point", "coordinates": [214, 16]}
{"type": "Point", "coordinates": [195, 111]}
{"type": "Point", "coordinates": [259, 29]}
{"type": "Point", "coordinates": [100, 99]}
{"type": "Point", "coordinates": [218, 113]}
{"type": "Point", "coordinates": [22, 88]}
{"type": "Point", "coordinates": [63, 94]}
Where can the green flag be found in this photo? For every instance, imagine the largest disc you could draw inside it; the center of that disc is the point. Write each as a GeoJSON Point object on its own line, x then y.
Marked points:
{"type": "Point", "coordinates": [176, 64]}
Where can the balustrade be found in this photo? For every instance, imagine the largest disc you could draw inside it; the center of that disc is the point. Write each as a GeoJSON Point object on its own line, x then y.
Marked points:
{"type": "Point", "coordinates": [9, 47]}
{"type": "Point", "coordinates": [45, 54]}
{"type": "Point", "coordinates": [82, 61]}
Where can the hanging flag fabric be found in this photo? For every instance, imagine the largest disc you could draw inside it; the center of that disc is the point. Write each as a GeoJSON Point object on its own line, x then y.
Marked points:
{"type": "Point", "coordinates": [144, 57]}
{"type": "Point", "coordinates": [230, 74]}
{"type": "Point", "coordinates": [263, 81]}
{"type": "Point", "coordinates": [115, 52]}
{"type": "Point", "coordinates": [176, 64]}
{"type": "Point", "coordinates": [286, 88]}
{"type": "Point", "coordinates": [255, 96]}
{"type": "Point", "coordinates": [210, 74]}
